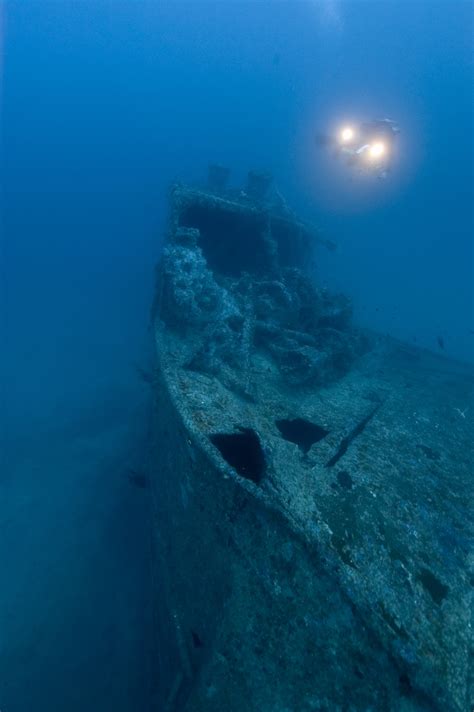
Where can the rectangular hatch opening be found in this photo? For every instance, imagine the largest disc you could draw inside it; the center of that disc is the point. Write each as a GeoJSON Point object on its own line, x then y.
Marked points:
{"type": "Point", "coordinates": [302, 432]}
{"type": "Point", "coordinates": [243, 452]}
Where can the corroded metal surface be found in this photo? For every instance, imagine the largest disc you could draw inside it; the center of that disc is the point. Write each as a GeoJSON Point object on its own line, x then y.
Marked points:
{"type": "Point", "coordinates": [312, 491]}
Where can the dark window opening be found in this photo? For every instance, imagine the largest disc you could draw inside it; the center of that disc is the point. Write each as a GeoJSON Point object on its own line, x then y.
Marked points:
{"type": "Point", "coordinates": [292, 244]}
{"type": "Point", "coordinates": [405, 685]}
{"type": "Point", "coordinates": [301, 432]}
{"type": "Point", "coordinates": [231, 242]}
{"type": "Point", "coordinates": [436, 588]}
{"type": "Point", "coordinates": [197, 642]}
{"type": "Point", "coordinates": [243, 452]}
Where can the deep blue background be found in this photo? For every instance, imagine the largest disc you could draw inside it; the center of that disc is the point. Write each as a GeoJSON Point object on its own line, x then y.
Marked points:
{"type": "Point", "coordinates": [103, 104]}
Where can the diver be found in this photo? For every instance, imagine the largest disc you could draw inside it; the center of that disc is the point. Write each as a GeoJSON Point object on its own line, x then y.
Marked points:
{"type": "Point", "coordinates": [369, 147]}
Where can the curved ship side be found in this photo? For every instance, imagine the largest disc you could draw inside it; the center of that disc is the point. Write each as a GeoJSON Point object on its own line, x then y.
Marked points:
{"type": "Point", "coordinates": [304, 502]}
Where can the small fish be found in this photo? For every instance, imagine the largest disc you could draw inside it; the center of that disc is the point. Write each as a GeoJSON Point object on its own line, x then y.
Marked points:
{"type": "Point", "coordinates": [440, 341]}
{"type": "Point", "coordinates": [145, 375]}
{"type": "Point", "coordinates": [138, 479]}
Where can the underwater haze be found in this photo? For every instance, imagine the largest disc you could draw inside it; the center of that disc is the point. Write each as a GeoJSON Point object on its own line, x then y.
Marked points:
{"type": "Point", "coordinates": [103, 105]}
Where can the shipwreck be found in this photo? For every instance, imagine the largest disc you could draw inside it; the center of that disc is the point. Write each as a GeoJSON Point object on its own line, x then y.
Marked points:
{"type": "Point", "coordinates": [311, 483]}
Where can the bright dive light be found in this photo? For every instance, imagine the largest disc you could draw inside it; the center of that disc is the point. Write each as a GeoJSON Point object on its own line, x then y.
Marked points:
{"type": "Point", "coordinates": [347, 134]}
{"type": "Point", "coordinates": [376, 150]}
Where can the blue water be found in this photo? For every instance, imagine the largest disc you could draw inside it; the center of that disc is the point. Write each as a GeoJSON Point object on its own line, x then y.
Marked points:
{"type": "Point", "coordinates": [103, 105]}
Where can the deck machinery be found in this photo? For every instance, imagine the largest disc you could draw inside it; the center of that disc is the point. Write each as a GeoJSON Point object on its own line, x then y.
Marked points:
{"type": "Point", "coordinates": [311, 483]}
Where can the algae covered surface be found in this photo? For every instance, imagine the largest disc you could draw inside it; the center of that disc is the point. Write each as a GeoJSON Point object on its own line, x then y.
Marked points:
{"type": "Point", "coordinates": [313, 512]}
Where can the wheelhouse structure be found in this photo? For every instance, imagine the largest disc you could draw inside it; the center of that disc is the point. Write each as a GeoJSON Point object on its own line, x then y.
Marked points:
{"type": "Point", "coordinates": [311, 483]}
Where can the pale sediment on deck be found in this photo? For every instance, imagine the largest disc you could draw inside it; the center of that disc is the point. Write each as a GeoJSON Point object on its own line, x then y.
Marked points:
{"type": "Point", "coordinates": [312, 486]}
